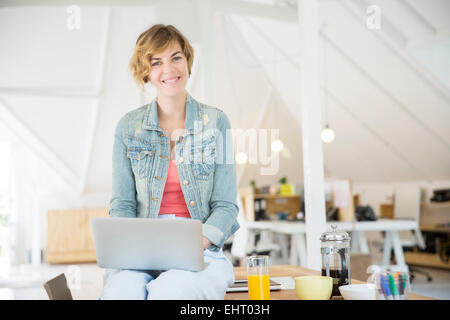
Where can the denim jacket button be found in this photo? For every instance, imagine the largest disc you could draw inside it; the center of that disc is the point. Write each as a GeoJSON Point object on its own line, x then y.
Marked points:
{"type": "Point", "coordinates": [185, 182]}
{"type": "Point", "coordinates": [192, 203]}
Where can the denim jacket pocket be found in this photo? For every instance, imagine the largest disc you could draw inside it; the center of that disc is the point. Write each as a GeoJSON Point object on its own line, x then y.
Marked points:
{"type": "Point", "coordinates": [141, 160]}
{"type": "Point", "coordinates": [204, 156]}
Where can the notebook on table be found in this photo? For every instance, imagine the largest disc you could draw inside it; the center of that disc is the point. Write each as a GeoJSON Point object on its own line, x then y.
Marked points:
{"type": "Point", "coordinates": [242, 286]}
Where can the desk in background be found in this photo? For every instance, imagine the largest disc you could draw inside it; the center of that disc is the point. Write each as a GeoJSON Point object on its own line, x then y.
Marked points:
{"type": "Point", "coordinates": [297, 231]}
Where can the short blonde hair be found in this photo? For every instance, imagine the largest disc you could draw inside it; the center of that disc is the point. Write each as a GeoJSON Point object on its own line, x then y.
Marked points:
{"type": "Point", "coordinates": [156, 39]}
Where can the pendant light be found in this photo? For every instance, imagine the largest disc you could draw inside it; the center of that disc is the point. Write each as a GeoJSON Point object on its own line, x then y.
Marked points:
{"type": "Point", "coordinates": [276, 145]}
{"type": "Point", "coordinates": [327, 134]}
{"type": "Point", "coordinates": [241, 158]}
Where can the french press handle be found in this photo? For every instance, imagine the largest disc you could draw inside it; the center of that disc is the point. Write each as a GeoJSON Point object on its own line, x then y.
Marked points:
{"type": "Point", "coordinates": [343, 265]}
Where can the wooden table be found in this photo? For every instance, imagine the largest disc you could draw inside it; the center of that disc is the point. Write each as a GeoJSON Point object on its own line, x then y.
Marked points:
{"type": "Point", "coordinates": [289, 271]}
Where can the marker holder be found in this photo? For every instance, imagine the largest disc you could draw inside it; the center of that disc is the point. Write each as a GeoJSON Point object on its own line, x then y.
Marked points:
{"type": "Point", "coordinates": [385, 292]}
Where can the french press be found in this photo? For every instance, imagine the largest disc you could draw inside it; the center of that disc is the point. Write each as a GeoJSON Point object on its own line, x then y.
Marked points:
{"type": "Point", "coordinates": [335, 249]}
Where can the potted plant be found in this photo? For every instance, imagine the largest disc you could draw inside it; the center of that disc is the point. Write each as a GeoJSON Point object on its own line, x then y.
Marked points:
{"type": "Point", "coordinates": [253, 184]}
{"type": "Point", "coordinates": [286, 189]}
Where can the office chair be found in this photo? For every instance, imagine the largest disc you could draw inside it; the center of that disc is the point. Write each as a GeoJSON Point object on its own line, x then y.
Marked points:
{"type": "Point", "coordinates": [57, 288]}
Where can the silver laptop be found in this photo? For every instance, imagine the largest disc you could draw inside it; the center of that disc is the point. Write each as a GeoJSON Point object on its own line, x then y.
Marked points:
{"type": "Point", "coordinates": [148, 244]}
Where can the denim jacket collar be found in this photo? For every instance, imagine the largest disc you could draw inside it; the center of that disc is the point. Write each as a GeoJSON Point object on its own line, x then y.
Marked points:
{"type": "Point", "coordinates": [193, 123]}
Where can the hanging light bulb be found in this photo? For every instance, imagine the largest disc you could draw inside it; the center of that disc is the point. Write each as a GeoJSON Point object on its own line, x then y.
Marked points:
{"type": "Point", "coordinates": [241, 158]}
{"type": "Point", "coordinates": [277, 145]}
{"type": "Point", "coordinates": [327, 134]}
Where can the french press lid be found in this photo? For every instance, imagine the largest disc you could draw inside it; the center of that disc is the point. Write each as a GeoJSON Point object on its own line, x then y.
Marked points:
{"type": "Point", "coordinates": [335, 235]}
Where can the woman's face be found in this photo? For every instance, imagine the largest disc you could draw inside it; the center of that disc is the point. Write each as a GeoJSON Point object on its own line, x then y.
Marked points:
{"type": "Point", "coordinates": [169, 71]}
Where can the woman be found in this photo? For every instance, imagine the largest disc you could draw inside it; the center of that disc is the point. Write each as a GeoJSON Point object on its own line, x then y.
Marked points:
{"type": "Point", "coordinates": [169, 163]}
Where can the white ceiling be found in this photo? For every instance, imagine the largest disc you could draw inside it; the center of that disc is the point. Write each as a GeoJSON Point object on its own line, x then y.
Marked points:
{"type": "Point", "coordinates": [389, 109]}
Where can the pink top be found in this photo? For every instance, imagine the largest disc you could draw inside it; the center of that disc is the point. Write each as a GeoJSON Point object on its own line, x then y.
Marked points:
{"type": "Point", "coordinates": [173, 199]}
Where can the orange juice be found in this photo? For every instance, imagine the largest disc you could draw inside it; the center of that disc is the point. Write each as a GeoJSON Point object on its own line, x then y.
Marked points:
{"type": "Point", "coordinates": [258, 287]}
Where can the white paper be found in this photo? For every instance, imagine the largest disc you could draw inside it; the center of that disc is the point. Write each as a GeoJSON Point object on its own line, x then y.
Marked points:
{"type": "Point", "coordinates": [287, 283]}
{"type": "Point", "coordinates": [341, 192]}
{"type": "Point", "coordinates": [327, 191]}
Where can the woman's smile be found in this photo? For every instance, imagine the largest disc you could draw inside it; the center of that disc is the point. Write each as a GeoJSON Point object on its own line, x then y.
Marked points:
{"type": "Point", "coordinates": [171, 81]}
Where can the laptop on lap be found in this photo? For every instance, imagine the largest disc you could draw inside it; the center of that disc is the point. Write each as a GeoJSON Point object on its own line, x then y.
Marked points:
{"type": "Point", "coordinates": [148, 244]}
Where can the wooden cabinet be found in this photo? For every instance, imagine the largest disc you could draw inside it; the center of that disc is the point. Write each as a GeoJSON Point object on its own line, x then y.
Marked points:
{"type": "Point", "coordinates": [290, 204]}
{"type": "Point", "coordinates": [387, 210]}
{"type": "Point", "coordinates": [69, 235]}
{"type": "Point", "coordinates": [274, 203]}
{"type": "Point", "coordinates": [434, 213]}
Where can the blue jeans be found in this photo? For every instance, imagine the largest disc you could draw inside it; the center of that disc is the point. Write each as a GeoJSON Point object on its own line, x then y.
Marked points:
{"type": "Point", "coordinates": [208, 284]}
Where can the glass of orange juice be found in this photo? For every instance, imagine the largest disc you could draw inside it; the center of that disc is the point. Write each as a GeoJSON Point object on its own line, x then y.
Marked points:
{"type": "Point", "coordinates": [258, 277]}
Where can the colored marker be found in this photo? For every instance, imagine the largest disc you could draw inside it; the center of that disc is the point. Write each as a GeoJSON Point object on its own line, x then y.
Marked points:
{"type": "Point", "coordinates": [405, 283]}
{"type": "Point", "coordinates": [393, 287]}
{"type": "Point", "coordinates": [380, 287]}
{"type": "Point", "coordinates": [400, 286]}
{"type": "Point", "coordinates": [385, 287]}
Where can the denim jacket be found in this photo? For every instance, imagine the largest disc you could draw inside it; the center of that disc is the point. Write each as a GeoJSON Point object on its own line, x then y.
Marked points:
{"type": "Point", "coordinates": [205, 164]}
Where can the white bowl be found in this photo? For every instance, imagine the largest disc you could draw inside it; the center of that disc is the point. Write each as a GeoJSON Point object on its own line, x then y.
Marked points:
{"type": "Point", "coordinates": [365, 291]}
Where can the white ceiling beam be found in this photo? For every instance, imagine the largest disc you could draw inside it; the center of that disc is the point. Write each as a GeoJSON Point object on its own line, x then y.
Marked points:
{"type": "Point", "coordinates": [284, 54]}
{"type": "Point", "coordinates": [257, 124]}
{"type": "Point", "coordinates": [99, 89]}
{"type": "Point", "coordinates": [418, 17]}
{"type": "Point", "coordinates": [272, 43]}
{"type": "Point", "coordinates": [311, 117]}
{"type": "Point", "coordinates": [76, 93]}
{"type": "Point", "coordinates": [207, 28]}
{"type": "Point", "coordinates": [386, 92]}
{"type": "Point", "coordinates": [440, 35]}
{"type": "Point", "coordinates": [358, 11]}
{"type": "Point", "coordinates": [433, 35]}
{"type": "Point", "coordinates": [386, 26]}
{"type": "Point", "coordinates": [339, 103]}
{"type": "Point", "coordinates": [193, 81]}
{"type": "Point", "coordinates": [36, 145]}
{"type": "Point", "coordinates": [240, 7]}
{"type": "Point", "coordinates": [34, 3]}
{"type": "Point", "coordinates": [373, 132]}
{"type": "Point", "coordinates": [296, 65]}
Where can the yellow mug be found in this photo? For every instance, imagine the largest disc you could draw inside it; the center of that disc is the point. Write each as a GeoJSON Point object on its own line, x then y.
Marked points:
{"type": "Point", "coordinates": [314, 287]}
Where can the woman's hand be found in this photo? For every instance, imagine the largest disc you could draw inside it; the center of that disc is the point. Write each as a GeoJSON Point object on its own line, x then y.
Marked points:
{"type": "Point", "coordinates": [206, 243]}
